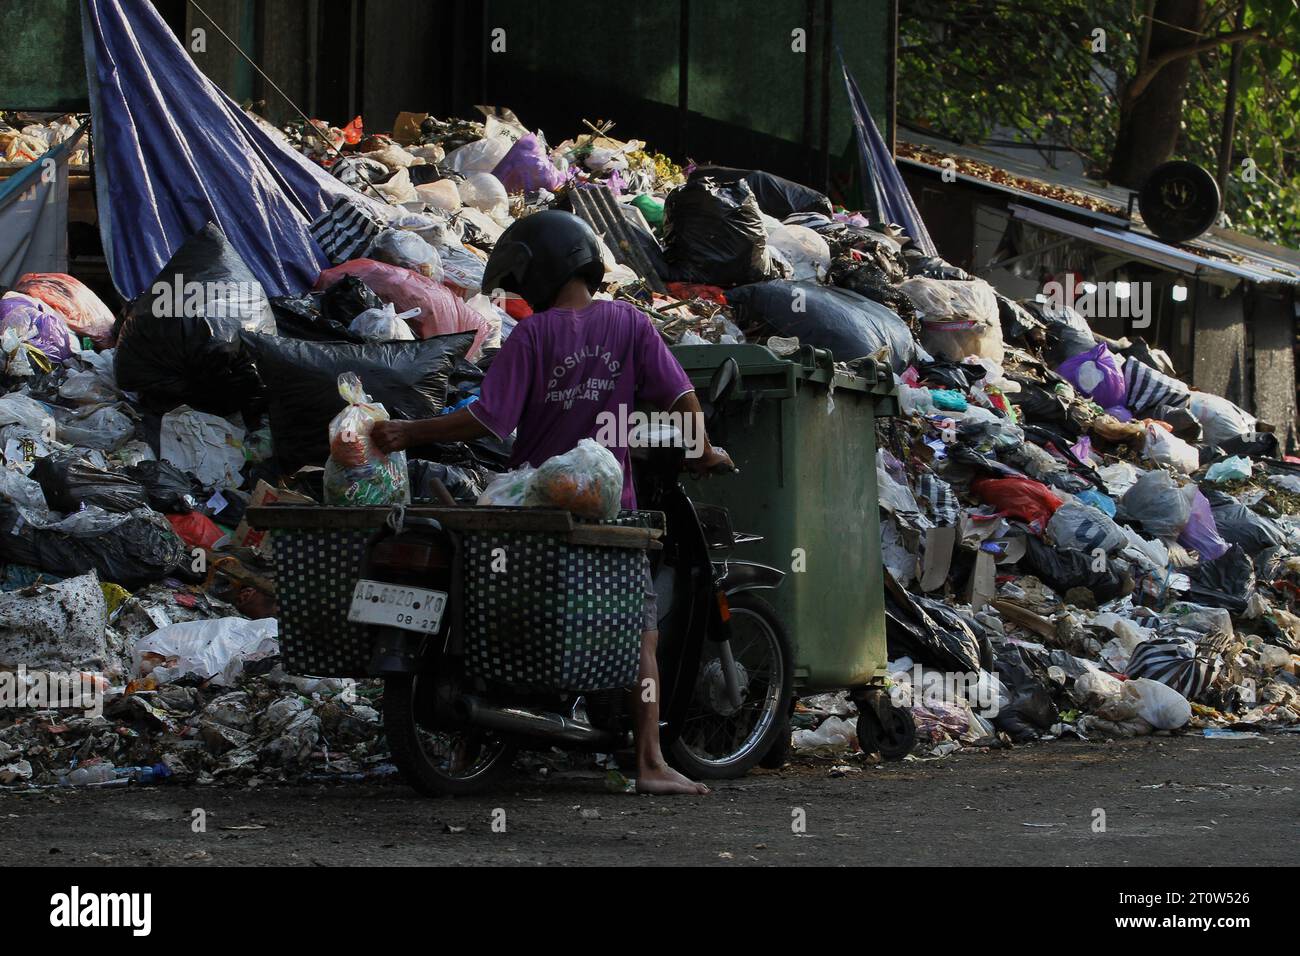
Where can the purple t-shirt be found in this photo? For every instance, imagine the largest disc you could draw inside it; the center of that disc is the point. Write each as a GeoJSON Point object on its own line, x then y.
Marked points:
{"type": "Point", "coordinates": [561, 368]}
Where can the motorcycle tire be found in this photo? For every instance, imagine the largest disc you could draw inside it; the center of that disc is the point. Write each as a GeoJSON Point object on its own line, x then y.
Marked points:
{"type": "Point", "coordinates": [413, 760]}
{"type": "Point", "coordinates": [774, 721]}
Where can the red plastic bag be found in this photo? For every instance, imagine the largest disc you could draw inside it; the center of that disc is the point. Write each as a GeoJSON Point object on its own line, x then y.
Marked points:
{"type": "Point", "coordinates": [441, 310]}
{"type": "Point", "coordinates": [67, 296]}
{"type": "Point", "coordinates": [1030, 501]}
{"type": "Point", "coordinates": [196, 530]}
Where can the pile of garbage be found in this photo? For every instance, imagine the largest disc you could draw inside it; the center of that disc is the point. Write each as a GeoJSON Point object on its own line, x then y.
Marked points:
{"type": "Point", "coordinates": [1108, 551]}
{"type": "Point", "coordinates": [25, 138]}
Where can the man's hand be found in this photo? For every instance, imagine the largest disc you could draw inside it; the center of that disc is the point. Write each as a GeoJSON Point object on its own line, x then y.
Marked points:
{"type": "Point", "coordinates": [713, 461]}
{"type": "Point", "coordinates": [390, 436]}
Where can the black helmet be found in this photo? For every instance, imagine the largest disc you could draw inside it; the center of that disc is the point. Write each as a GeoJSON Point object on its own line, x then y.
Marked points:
{"type": "Point", "coordinates": [537, 255]}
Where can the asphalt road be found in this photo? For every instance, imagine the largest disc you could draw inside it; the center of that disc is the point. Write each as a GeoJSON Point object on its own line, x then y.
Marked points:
{"type": "Point", "coordinates": [1167, 801]}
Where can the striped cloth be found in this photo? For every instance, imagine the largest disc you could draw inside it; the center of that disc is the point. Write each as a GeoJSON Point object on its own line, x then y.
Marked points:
{"type": "Point", "coordinates": [1174, 661]}
{"type": "Point", "coordinates": [345, 230]}
{"type": "Point", "coordinates": [1147, 390]}
{"type": "Point", "coordinates": [937, 493]}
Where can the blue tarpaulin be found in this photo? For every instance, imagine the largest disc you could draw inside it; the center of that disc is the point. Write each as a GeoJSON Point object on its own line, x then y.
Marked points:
{"type": "Point", "coordinates": [883, 184]}
{"type": "Point", "coordinates": [172, 153]}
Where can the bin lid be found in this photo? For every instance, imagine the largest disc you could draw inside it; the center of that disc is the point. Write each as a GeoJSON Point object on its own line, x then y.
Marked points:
{"type": "Point", "coordinates": [808, 364]}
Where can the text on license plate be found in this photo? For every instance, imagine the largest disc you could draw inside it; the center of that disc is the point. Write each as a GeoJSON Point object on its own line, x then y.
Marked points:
{"type": "Point", "coordinates": [395, 605]}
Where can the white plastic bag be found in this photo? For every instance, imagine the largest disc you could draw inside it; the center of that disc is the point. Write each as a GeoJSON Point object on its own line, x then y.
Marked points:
{"type": "Point", "coordinates": [441, 195]}
{"type": "Point", "coordinates": [215, 649]}
{"type": "Point", "coordinates": [806, 251]}
{"type": "Point", "coordinates": [485, 193]}
{"type": "Point", "coordinates": [399, 247]}
{"type": "Point", "coordinates": [1220, 419]}
{"type": "Point", "coordinates": [206, 446]}
{"type": "Point", "coordinates": [357, 473]}
{"type": "Point", "coordinates": [384, 324]}
{"type": "Point", "coordinates": [1158, 704]}
{"type": "Point", "coordinates": [586, 481]}
{"type": "Point", "coordinates": [1169, 451]}
{"type": "Point", "coordinates": [480, 156]}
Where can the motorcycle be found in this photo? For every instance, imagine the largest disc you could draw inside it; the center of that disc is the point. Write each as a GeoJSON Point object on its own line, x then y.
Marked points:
{"type": "Point", "coordinates": [725, 662]}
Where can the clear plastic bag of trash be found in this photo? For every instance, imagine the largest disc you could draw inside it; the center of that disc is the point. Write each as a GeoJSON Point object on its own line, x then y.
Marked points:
{"type": "Point", "coordinates": [384, 324]}
{"type": "Point", "coordinates": [214, 650]}
{"type": "Point", "coordinates": [442, 195]}
{"type": "Point", "coordinates": [1220, 418]}
{"type": "Point", "coordinates": [1154, 502]}
{"type": "Point", "coordinates": [834, 733]}
{"type": "Point", "coordinates": [401, 247]}
{"type": "Point", "coordinates": [1235, 468]}
{"type": "Point", "coordinates": [586, 481]}
{"type": "Point", "coordinates": [1076, 526]}
{"type": "Point", "coordinates": [509, 490]}
{"type": "Point", "coordinates": [480, 156]}
{"type": "Point", "coordinates": [1159, 705]}
{"type": "Point", "coordinates": [357, 473]}
{"type": "Point", "coordinates": [484, 192]}
{"type": "Point", "coordinates": [807, 252]}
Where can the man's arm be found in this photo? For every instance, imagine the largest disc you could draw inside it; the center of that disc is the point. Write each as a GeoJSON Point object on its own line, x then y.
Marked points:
{"type": "Point", "coordinates": [397, 436]}
{"type": "Point", "coordinates": [701, 456]}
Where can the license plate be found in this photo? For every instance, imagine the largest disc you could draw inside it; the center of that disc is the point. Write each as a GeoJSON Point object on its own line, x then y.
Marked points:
{"type": "Point", "coordinates": [395, 605]}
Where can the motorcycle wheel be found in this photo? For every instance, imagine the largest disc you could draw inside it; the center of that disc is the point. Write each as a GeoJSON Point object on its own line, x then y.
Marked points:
{"type": "Point", "coordinates": [895, 738]}
{"type": "Point", "coordinates": [718, 741]}
{"type": "Point", "coordinates": [439, 762]}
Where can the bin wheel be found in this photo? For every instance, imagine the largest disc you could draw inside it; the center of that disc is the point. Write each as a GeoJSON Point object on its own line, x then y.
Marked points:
{"type": "Point", "coordinates": [718, 740]}
{"type": "Point", "coordinates": [439, 762]}
{"type": "Point", "coordinates": [894, 738]}
{"type": "Point", "coordinates": [778, 755]}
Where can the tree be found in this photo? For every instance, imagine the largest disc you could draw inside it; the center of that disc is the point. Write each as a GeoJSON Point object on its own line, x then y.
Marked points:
{"type": "Point", "coordinates": [1125, 84]}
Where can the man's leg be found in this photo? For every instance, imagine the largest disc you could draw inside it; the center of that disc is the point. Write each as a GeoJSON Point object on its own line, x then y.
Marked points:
{"type": "Point", "coordinates": [653, 773]}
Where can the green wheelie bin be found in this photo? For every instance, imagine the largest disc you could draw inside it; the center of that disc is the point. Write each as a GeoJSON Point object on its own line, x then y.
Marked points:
{"type": "Point", "coordinates": [803, 436]}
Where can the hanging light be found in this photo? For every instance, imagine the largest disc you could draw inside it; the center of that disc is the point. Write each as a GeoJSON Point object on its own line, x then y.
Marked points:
{"type": "Point", "coordinates": [1122, 290]}
{"type": "Point", "coordinates": [1179, 292]}
{"type": "Point", "coordinates": [1089, 288]}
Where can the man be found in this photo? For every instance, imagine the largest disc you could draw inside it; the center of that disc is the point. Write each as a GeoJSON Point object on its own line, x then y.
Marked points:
{"type": "Point", "coordinates": [572, 360]}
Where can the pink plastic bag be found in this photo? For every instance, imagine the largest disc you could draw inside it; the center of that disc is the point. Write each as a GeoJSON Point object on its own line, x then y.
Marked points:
{"type": "Point", "coordinates": [1096, 374]}
{"type": "Point", "coordinates": [441, 310]}
{"type": "Point", "coordinates": [1201, 532]}
{"type": "Point", "coordinates": [85, 313]}
{"type": "Point", "coordinates": [527, 169]}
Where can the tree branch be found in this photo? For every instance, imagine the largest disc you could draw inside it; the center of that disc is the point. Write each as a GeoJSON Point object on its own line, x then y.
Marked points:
{"type": "Point", "coordinates": [1148, 73]}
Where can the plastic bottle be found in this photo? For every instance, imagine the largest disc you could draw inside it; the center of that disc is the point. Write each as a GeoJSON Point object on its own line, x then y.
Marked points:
{"type": "Point", "coordinates": [150, 774]}
{"type": "Point", "coordinates": [94, 773]}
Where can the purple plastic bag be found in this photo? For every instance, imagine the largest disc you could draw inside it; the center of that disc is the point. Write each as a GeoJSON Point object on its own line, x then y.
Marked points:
{"type": "Point", "coordinates": [1201, 532]}
{"type": "Point", "coordinates": [527, 169]}
{"type": "Point", "coordinates": [48, 330]}
{"type": "Point", "coordinates": [1096, 374]}
{"type": "Point", "coordinates": [1120, 413]}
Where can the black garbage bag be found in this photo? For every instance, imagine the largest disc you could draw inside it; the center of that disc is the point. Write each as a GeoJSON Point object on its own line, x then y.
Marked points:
{"type": "Point", "coordinates": [713, 234]}
{"type": "Point", "coordinates": [1016, 320]}
{"type": "Point", "coordinates": [1225, 582]}
{"type": "Point", "coordinates": [169, 489]}
{"type": "Point", "coordinates": [1031, 710]}
{"type": "Point", "coordinates": [1042, 406]}
{"type": "Point", "coordinates": [914, 632]}
{"type": "Point", "coordinates": [775, 196]}
{"type": "Point", "coordinates": [299, 317]}
{"type": "Point", "coordinates": [464, 483]}
{"type": "Point", "coordinates": [932, 267]}
{"type": "Point", "coordinates": [180, 344]}
{"type": "Point", "coordinates": [345, 300]}
{"type": "Point", "coordinates": [868, 279]}
{"type": "Point", "coordinates": [1063, 570]}
{"type": "Point", "coordinates": [1252, 445]}
{"type": "Point", "coordinates": [408, 378]}
{"type": "Point", "coordinates": [950, 375]}
{"type": "Point", "coordinates": [849, 325]}
{"type": "Point", "coordinates": [69, 480]}
{"type": "Point", "coordinates": [131, 549]}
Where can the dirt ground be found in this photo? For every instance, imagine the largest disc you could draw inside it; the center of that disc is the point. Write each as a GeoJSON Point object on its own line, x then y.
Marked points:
{"type": "Point", "coordinates": [1166, 801]}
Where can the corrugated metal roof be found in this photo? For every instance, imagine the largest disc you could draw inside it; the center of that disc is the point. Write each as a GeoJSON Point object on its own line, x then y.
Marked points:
{"type": "Point", "coordinates": [1218, 250]}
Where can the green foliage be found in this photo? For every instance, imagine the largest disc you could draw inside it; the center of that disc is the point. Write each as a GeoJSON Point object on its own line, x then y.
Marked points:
{"type": "Point", "coordinates": [1026, 69]}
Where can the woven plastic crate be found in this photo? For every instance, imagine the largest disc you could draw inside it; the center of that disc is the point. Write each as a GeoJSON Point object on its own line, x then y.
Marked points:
{"type": "Point", "coordinates": [316, 571]}
{"type": "Point", "coordinates": [542, 613]}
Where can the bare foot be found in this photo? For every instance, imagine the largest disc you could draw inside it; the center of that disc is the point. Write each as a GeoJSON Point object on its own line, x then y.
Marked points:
{"type": "Point", "coordinates": [665, 781]}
